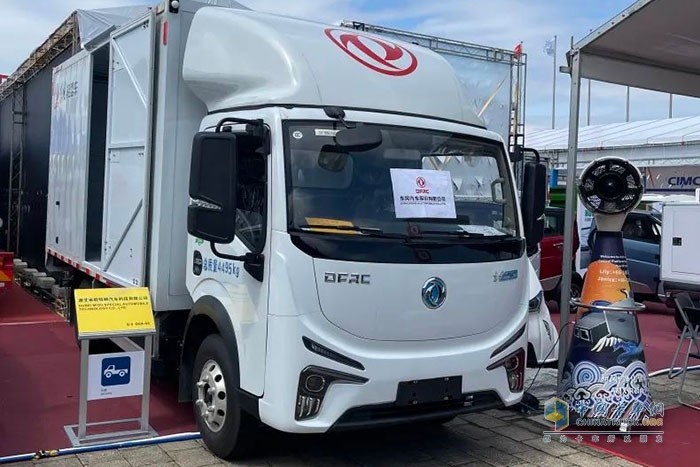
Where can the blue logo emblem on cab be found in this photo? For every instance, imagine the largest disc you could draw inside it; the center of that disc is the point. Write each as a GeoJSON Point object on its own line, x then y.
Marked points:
{"type": "Point", "coordinates": [434, 293]}
{"type": "Point", "coordinates": [116, 371]}
{"type": "Point", "coordinates": [505, 275]}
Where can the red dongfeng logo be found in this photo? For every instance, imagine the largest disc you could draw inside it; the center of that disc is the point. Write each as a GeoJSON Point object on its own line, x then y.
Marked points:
{"type": "Point", "coordinates": [377, 54]}
{"type": "Point", "coordinates": [421, 184]}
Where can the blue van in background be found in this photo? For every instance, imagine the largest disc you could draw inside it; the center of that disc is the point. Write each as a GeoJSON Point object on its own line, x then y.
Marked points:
{"type": "Point", "coordinates": [641, 238]}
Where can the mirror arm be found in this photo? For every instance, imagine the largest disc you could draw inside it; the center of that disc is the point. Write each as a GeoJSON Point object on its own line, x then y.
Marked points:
{"type": "Point", "coordinates": [252, 262]}
{"type": "Point", "coordinates": [535, 151]}
{"type": "Point", "coordinates": [253, 127]}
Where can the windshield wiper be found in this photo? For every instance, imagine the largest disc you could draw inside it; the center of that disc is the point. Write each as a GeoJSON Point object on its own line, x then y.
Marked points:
{"type": "Point", "coordinates": [451, 233]}
{"type": "Point", "coordinates": [460, 233]}
{"type": "Point", "coordinates": [366, 231]}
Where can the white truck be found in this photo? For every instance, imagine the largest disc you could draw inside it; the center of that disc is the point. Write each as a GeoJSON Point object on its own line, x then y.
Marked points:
{"type": "Point", "coordinates": [299, 199]}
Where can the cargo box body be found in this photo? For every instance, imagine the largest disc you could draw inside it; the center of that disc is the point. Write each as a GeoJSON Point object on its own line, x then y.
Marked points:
{"type": "Point", "coordinates": [122, 121]}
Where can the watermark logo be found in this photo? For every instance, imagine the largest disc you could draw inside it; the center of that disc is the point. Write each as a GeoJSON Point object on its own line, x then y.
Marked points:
{"type": "Point", "coordinates": [557, 411]}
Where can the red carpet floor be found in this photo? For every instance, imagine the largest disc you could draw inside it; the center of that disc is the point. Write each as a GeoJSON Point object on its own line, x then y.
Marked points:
{"type": "Point", "coordinates": [39, 380]}
{"type": "Point", "coordinates": [19, 307]}
{"type": "Point", "coordinates": [677, 448]}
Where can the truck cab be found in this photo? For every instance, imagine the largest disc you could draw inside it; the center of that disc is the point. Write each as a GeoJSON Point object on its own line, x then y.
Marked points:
{"type": "Point", "coordinates": [356, 248]}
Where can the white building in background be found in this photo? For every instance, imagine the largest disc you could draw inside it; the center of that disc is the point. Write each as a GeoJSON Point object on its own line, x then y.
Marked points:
{"type": "Point", "coordinates": [666, 151]}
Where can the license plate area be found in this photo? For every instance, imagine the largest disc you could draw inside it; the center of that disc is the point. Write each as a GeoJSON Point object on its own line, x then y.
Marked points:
{"type": "Point", "coordinates": [425, 391]}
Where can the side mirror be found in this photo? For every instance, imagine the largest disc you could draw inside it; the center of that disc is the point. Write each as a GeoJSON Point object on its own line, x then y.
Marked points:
{"type": "Point", "coordinates": [211, 215]}
{"type": "Point", "coordinates": [533, 202]}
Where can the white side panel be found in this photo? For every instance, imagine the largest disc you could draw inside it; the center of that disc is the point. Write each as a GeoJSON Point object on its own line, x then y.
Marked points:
{"type": "Point", "coordinates": [177, 118]}
{"type": "Point", "coordinates": [68, 156]}
{"type": "Point", "coordinates": [680, 244]}
{"type": "Point", "coordinates": [128, 152]}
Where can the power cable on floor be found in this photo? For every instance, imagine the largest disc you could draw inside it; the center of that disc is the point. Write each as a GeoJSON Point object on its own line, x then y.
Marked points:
{"type": "Point", "coordinates": [522, 403]}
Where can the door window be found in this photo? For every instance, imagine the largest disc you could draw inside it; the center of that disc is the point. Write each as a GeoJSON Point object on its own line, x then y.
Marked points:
{"type": "Point", "coordinates": [553, 225]}
{"type": "Point", "coordinates": [639, 229]}
{"type": "Point", "coordinates": [252, 188]}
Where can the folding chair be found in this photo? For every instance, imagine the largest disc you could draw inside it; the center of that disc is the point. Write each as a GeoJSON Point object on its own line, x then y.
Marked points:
{"type": "Point", "coordinates": [691, 331]}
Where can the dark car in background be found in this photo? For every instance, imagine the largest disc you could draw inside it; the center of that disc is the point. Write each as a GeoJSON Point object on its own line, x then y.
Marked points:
{"type": "Point", "coordinates": [641, 238]}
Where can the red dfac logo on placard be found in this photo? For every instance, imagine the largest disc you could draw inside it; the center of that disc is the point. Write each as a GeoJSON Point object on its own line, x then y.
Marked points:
{"type": "Point", "coordinates": [377, 54]}
{"type": "Point", "coordinates": [421, 184]}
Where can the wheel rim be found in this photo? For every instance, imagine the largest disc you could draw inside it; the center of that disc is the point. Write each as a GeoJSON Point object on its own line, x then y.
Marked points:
{"type": "Point", "coordinates": [575, 292]}
{"type": "Point", "coordinates": [211, 396]}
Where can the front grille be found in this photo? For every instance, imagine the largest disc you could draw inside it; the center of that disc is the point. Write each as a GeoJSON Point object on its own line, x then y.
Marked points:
{"type": "Point", "coordinates": [392, 414]}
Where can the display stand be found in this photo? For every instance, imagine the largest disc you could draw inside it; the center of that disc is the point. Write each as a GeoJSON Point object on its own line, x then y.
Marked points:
{"type": "Point", "coordinates": [118, 315]}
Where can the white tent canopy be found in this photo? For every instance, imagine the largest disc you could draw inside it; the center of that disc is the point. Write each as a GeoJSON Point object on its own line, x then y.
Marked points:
{"type": "Point", "coordinates": [653, 44]}
{"type": "Point", "coordinates": [649, 143]}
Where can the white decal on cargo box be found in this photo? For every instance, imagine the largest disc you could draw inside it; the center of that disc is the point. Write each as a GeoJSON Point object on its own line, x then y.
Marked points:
{"type": "Point", "coordinates": [376, 54]}
{"type": "Point", "coordinates": [423, 194]}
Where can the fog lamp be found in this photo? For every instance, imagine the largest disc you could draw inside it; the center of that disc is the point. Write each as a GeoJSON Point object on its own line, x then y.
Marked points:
{"type": "Point", "coordinates": [514, 364]}
{"type": "Point", "coordinates": [313, 384]}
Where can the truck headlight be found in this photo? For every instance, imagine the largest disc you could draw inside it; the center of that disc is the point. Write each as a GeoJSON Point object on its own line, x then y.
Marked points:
{"type": "Point", "coordinates": [533, 305]}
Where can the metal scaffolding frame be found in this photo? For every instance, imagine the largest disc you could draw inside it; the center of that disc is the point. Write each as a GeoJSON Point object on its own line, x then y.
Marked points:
{"type": "Point", "coordinates": [64, 37]}
{"type": "Point", "coordinates": [15, 184]}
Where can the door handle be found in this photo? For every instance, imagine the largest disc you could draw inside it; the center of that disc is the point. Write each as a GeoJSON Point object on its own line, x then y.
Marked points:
{"type": "Point", "coordinates": [558, 245]}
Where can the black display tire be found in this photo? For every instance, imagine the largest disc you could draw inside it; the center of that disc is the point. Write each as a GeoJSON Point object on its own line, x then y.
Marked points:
{"type": "Point", "coordinates": [236, 437]}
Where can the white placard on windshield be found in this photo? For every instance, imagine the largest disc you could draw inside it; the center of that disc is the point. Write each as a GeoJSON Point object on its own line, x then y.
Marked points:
{"type": "Point", "coordinates": [423, 194]}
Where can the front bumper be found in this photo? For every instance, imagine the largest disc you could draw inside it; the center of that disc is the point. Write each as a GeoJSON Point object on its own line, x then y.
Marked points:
{"type": "Point", "coordinates": [386, 364]}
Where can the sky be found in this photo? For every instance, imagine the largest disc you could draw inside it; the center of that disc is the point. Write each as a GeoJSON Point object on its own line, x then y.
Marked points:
{"type": "Point", "coordinates": [498, 23]}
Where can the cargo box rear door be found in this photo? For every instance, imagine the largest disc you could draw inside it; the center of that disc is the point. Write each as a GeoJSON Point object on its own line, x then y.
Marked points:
{"type": "Point", "coordinates": [68, 156]}
{"type": "Point", "coordinates": [129, 113]}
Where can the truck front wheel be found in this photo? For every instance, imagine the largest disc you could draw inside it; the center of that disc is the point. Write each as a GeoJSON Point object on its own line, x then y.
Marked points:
{"type": "Point", "coordinates": [227, 431]}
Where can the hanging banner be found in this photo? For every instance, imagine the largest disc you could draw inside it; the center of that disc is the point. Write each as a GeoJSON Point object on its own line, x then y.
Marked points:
{"type": "Point", "coordinates": [675, 178]}
{"type": "Point", "coordinates": [423, 194]}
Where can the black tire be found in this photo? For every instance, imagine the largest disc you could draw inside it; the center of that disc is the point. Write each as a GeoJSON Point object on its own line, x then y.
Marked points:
{"type": "Point", "coordinates": [236, 437]}
{"type": "Point", "coordinates": [575, 291]}
{"type": "Point", "coordinates": [576, 286]}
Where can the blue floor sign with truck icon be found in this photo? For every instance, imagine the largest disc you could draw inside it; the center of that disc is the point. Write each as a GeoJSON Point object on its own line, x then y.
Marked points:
{"type": "Point", "coordinates": [116, 371]}
{"type": "Point", "coordinates": [118, 374]}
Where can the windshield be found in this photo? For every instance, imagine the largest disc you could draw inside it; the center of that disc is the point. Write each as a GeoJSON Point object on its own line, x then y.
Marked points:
{"type": "Point", "coordinates": [417, 183]}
